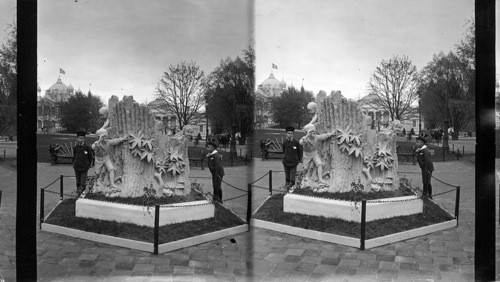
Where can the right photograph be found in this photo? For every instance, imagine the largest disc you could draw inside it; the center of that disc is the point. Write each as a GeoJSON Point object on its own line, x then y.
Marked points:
{"type": "Point", "coordinates": [364, 140]}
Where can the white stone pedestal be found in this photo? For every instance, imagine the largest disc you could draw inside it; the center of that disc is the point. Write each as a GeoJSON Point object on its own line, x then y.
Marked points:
{"type": "Point", "coordinates": [141, 215]}
{"type": "Point", "coordinates": [351, 211]}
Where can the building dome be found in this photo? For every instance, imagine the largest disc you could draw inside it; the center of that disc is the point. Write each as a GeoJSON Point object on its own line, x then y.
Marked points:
{"type": "Point", "coordinates": [271, 81]}
{"type": "Point", "coordinates": [58, 87]}
{"type": "Point", "coordinates": [70, 88]}
{"type": "Point", "coordinates": [282, 83]}
{"type": "Point", "coordinates": [38, 89]}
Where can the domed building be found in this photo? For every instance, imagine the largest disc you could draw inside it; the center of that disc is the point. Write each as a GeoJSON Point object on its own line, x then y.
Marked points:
{"type": "Point", "coordinates": [269, 88]}
{"type": "Point", "coordinates": [59, 91]}
{"type": "Point", "coordinates": [47, 111]}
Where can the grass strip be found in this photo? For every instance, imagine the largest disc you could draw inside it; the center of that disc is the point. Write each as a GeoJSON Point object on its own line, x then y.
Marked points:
{"type": "Point", "coordinates": [351, 196]}
{"type": "Point", "coordinates": [272, 210]}
{"type": "Point", "coordinates": [64, 215]}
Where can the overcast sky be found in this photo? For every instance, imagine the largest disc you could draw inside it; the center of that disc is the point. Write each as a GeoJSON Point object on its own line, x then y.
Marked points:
{"type": "Point", "coordinates": [336, 45]}
{"type": "Point", "coordinates": [122, 47]}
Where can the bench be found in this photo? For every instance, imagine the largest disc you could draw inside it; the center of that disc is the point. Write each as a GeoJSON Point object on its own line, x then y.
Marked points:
{"type": "Point", "coordinates": [61, 152]}
{"type": "Point", "coordinates": [407, 152]}
{"type": "Point", "coordinates": [196, 155]}
{"type": "Point", "coordinates": [274, 154]}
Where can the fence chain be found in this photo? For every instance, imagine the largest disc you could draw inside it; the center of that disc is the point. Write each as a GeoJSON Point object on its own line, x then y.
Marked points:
{"type": "Point", "coordinates": [232, 186]}
{"type": "Point", "coordinates": [225, 200]}
{"type": "Point", "coordinates": [58, 193]}
{"type": "Point", "coordinates": [433, 195]}
{"type": "Point", "coordinates": [455, 186]}
{"type": "Point", "coordinates": [50, 184]}
{"type": "Point", "coordinates": [260, 178]}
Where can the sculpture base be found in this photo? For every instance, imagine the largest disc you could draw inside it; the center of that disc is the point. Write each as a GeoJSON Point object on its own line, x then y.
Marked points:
{"type": "Point", "coordinates": [142, 215]}
{"type": "Point", "coordinates": [351, 211]}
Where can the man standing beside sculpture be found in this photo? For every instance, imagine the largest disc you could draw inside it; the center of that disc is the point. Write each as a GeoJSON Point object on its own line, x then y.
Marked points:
{"type": "Point", "coordinates": [425, 163]}
{"type": "Point", "coordinates": [214, 162]}
{"type": "Point", "coordinates": [82, 160]}
{"type": "Point", "coordinates": [292, 156]}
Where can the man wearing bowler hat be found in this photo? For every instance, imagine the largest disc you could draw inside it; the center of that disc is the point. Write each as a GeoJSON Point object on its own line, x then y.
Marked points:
{"type": "Point", "coordinates": [292, 155]}
{"type": "Point", "coordinates": [214, 162]}
{"type": "Point", "coordinates": [83, 156]}
{"type": "Point", "coordinates": [425, 163]}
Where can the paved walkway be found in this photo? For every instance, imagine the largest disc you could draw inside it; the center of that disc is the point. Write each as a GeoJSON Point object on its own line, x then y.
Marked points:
{"type": "Point", "coordinates": [257, 255]}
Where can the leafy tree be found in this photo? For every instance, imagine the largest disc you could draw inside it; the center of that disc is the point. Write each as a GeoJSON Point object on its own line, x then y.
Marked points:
{"type": "Point", "coordinates": [8, 81]}
{"type": "Point", "coordinates": [80, 111]}
{"type": "Point", "coordinates": [229, 95]}
{"type": "Point", "coordinates": [449, 91]}
{"type": "Point", "coordinates": [182, 87]}
{"type": "Point", "coordinates": [290, 108]}
{"type": "Point", "coordinates": [451, 78]}
{"type": "Point", "coordinates": [395, 82]}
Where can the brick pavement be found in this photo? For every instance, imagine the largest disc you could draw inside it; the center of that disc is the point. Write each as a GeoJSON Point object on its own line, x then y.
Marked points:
{"type": "Point", "coordinates": [257, 255]}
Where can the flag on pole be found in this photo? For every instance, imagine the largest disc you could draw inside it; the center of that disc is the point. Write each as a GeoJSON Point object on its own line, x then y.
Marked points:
{"type": "Point", "coordinates": [62, 71]}
{"type": "Point", "coordinates": [275, 66]}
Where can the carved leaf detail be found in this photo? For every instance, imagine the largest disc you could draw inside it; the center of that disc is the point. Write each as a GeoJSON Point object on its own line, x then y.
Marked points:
{"type": "Point", "coordinates": [356, 150]}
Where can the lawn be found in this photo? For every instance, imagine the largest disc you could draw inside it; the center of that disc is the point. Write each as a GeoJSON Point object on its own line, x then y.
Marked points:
{"type": "Point", "coordinates": [272, 210]}
{"type": "Point", "coordinates": [64, 215]}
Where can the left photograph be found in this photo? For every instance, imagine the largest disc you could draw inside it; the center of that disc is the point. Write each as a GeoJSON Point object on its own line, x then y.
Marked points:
{"type": "Point", "coordinates": [144, 132]}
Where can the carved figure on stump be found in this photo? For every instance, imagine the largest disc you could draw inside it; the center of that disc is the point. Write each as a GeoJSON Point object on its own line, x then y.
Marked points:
{"type": "Point", "coordinates": [103, 160]}
{"type": "Point", "coordinates": [356, 154]}
{"type": "Point", "coordinates": [312, 160]}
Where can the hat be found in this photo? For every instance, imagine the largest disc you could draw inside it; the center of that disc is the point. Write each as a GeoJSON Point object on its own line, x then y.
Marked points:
{"type": "Point", "coordinates": [421, 138]}
{"type": "Point", "coordinates": [211, 143]}
{"type": "Point", "coordinates": [290, 128]}
{"type": "Point", "coordinates": [80, 133]}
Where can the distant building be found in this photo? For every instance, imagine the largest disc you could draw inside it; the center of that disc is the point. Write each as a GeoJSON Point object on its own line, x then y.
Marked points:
{"type": "Point", "coordinates": [47, 110]}
{"type": "Point", "coordinates": [380, 115]}
{"type": "Point", "coordinates": [271, 87]}
{"type": "Point", "coordinates": [158, 108]}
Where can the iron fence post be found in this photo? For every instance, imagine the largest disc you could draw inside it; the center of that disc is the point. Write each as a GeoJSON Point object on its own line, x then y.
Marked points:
{"type": "Point", "coordinates": [270, 182]}
{"type": "Point", "coordinates": [61, 187]}
{"type": "Point", "coordinates": [363, 224]}
{"type": "Point", "coordinates": [457, 203]}
{"type": "Point", "coordinates": [249, 204]}
{"type": "Point", "coordinates": [156, 230]}
{"type": "Point", "coordinates": [42, 204]}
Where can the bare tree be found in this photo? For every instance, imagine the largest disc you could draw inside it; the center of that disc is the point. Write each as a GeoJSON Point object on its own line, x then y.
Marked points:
{"type": "Point", "coordinates": [182, 88]}
{"type": "Point", "coordinates": [395, 82]}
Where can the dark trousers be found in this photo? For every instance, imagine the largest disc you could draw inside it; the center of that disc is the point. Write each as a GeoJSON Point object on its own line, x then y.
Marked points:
{"type": "Point", "coordinates": [290, 172]}
{"type": "Point", "coordinates": [426, 180]}
{"type": "Point", "coordinates": [216, 183]}
{"type": "Point", "coordinates": [81, 179]}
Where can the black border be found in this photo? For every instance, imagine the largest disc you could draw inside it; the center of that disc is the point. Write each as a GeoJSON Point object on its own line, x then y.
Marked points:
{"type": "Point", "coordinates": [484, 261]}
{"type": "Point", "coordinates": [26, 257]}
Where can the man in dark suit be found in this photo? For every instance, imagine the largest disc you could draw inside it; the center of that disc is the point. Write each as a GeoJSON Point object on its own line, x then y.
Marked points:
{"type": "Point", "coordinates": [292, 155]}
{"type": "Point", "coordinates": [82, 160]}
{"type": "Point", "coordinates": [214, 162]}
{"type": "Point", "coordinates": [425, 163]}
